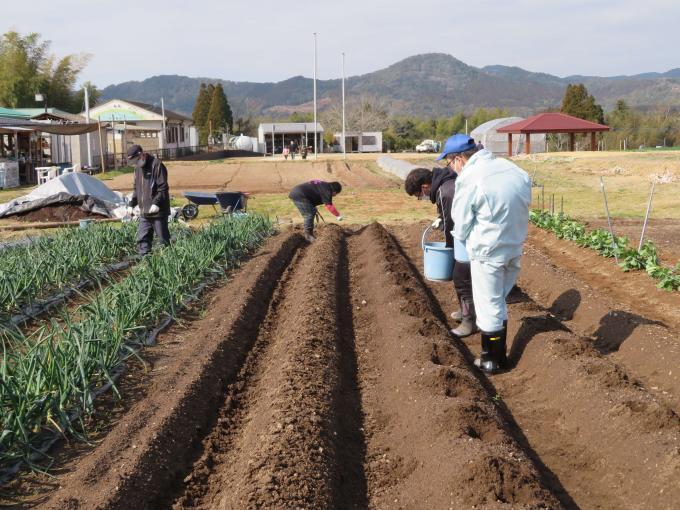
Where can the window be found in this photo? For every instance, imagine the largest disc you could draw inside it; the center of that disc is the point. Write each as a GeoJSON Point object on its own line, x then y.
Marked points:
{"type": "Point", "coordinates": [171, 134]}
{"type": "Point", "coordinates": [181, 133]}
{"type": "Point", "coordinates": [368, 140]}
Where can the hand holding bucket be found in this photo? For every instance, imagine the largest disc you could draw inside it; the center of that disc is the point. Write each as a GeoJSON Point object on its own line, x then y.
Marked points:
{"type": "Point", "coordinates": [438, 259]}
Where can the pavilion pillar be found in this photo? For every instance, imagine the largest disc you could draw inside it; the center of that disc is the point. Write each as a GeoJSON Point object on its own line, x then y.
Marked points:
{"type": "Point", "coordinates": [593, 142]}
{"type": "Point", "coordinates": [509, 144]}
{"type": "Point", "coordinates": [572, 137]}
{"type": "Point", "coordinates": [527, 145]}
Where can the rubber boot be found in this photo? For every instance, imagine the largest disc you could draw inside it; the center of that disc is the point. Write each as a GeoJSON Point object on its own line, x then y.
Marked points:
{"type": "Point", "coordinates": [467, 325]}
{"type": "Point", "coordinates": [493, 357]}
{"type": "Point", "coordinates": [309, 237]}
{"type": "Point", "coordinates": [457, 315]}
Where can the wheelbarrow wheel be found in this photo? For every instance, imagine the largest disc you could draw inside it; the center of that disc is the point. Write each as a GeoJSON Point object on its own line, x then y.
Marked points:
{"type": "Point", "coordinates": [189, 211]}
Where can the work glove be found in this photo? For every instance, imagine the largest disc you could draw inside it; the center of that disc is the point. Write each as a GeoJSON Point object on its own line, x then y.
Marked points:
{"type": "Point", "coordinates": [136, 210]}
{"type": "Point", "coordinates": [129, 211]}
{"type": "Point", "coordinates": [154, 209]}
{"type": "Point", "coordinates": [339, 217]}
{"type": "Point", "coordinates": [436, 223]}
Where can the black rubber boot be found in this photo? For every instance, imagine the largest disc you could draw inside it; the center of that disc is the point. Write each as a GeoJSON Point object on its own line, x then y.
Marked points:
{"type": "Point", "coordinates": [492, 358]}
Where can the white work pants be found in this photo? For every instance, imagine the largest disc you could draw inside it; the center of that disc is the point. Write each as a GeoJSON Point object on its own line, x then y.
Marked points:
{"type": "Point", "coordinates": [491, 284]}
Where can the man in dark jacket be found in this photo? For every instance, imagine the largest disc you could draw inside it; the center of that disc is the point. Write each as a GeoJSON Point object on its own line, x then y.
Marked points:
{"type": "Point", "coordinates": [439, 184]}
{"type": "Point", "coordinates": [152, 196]}
{"type": "Point", "coordinates": [308, 195]}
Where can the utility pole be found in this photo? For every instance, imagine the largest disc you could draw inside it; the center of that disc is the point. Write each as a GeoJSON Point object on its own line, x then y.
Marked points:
{"type": "Point", "coordinates": [344, 137]}
{"type": "Point", "coordinates": [163, 113]}
{"type": "Point", "coordinates": [87, 120]}
{"type": "Point", "coordinates": [316, 133]}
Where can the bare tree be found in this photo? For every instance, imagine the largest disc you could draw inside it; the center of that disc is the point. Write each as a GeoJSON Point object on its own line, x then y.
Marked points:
{"type": "Point", "coordinates": [364, 113]}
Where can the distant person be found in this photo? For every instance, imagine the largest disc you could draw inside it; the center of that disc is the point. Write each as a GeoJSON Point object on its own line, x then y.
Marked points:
{"type": "Point", "coordinates": [293, 149]}
{"type": "Point", "coordinates": [307, 196]}
{"type": "Point", "coordinates": [151, 196]}
{"type": "Point", "coordinates": [491, 216]}
{"type": "Point", "coordinates": [479, 145]}
{"type": "Point", "coordinates": [285, 152]}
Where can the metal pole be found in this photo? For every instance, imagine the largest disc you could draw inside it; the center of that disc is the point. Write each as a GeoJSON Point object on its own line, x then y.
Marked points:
{"type": "Point", "coordinates": [542, 197]}
{"type": "Point", "coordinates": [609, 219]}
{"type": "Point", "coordinates": [273, 129]}
{"type": "Point", "coordinates": [87, 120]}
{"type": "Point", "coordinates": [163, 113]}
{"type": "Point", "coordinates": [101, 146]}
{"type": "Point", "coordinates": [316, 134]}
{"type": "Point", "coordinates": [649, 209]}
{"type": "Point", "coordinates": [344, 137]}
{"type": "Point", "coordinates": [113, 123]}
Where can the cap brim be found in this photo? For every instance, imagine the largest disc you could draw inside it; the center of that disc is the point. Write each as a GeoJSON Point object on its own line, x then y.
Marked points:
{"type": "Point", "coordinates": [441, 156]}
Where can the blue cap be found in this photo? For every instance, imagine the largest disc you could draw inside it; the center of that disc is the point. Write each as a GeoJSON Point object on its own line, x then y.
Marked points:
{"type": "Point", "coordinates": [457, 143]}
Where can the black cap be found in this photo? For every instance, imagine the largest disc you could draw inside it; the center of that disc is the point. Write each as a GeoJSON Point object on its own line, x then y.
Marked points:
{"type": "Point", "coordinates": [134, 151]}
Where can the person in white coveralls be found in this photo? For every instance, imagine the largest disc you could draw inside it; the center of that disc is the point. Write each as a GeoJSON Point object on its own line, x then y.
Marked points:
{"type": "Point", "coordinates": [490, 213]}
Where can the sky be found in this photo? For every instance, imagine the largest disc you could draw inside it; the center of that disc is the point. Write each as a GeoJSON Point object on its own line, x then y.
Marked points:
{"type": "Point", "coordinates": [267, 40]}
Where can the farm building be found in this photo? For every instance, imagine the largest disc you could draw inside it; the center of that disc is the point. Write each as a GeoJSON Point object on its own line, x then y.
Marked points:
{"type": "Point", "coordinates": [140, 123]}
{"type": "Point", "coordinates": [282, 133]}
{"type": "Point", "coordinates": [497, 143]}
{"type": "Point", "coordinates": [32, 138]}
{"type": "Point", "coordinates": [361, 141]}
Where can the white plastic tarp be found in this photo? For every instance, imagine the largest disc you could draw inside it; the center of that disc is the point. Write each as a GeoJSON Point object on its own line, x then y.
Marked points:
{"type": "Point", "coordinates": [397, 167]}
{"type": "Point", "coordinates": [90, 194]}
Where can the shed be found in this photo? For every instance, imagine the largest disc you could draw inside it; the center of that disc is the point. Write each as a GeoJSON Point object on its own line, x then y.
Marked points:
{"type": "Point", "coordinates": [275, 135]}
{"type": "Point", "coordinates": [554, 122]}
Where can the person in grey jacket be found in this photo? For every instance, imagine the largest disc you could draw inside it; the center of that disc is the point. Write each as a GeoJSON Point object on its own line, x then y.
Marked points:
{"type": "Point", "coordinates": [491, 216]}
{"type": "Point", "coordinates": [152, 196]}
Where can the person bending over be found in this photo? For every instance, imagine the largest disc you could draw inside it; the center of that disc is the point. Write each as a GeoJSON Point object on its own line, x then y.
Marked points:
{"type": "Point", "coordinates": [439, 185]}
{"type": "Point", "coordinates": [308, 195]}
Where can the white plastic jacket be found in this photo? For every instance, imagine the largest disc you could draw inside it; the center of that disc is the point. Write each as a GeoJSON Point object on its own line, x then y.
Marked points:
{"type": "Point", "coordinates": [490, 209]}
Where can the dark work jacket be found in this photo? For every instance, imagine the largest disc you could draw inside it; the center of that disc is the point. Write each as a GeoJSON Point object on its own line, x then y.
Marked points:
{"type": "Point", "coordinates": [151, 187]}
{"type": "Point", "coordinates": [316, 192]}
{"type": "Point", "coordinates": [442, 190]}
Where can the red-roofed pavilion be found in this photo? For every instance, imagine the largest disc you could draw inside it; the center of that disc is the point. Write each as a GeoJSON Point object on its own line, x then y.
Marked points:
{"type": "Point", "coordinates": [553, 123]}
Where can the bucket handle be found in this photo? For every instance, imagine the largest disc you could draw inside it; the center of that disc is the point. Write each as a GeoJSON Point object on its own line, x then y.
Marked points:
{"type": "Point", "coordinates": [422, 240]}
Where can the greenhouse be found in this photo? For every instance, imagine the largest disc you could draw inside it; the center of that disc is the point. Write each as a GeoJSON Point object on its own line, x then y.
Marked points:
{"type": "Point", "coordinates": [497, 143]}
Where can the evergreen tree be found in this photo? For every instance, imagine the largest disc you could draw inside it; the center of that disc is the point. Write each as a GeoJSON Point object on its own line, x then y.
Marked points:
{"type": "Point", "coordinates": [578, 103]}
{"type": "Point", "coordinates": [200, 113]}
{"type": "Point", "coordinates": [219, 114]}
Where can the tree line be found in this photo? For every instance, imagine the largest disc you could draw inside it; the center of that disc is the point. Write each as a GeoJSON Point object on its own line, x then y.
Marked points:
{"type": "Point", "coordinates": [28, 68]}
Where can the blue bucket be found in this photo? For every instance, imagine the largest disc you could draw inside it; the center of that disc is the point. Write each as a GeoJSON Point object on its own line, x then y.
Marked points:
{"type": "Point", "coordinates": [437, 260]}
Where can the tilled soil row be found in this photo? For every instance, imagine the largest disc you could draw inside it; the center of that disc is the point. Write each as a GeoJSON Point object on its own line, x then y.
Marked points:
{"type": "Point", "coordinates": [645, 344]}
{"type": "Point", "coordinates": [277, 442]}
{"type": "Point", "coordinates": [146, 454]}
{"type": "Point", "coordinates": [435, 437]}
{"type": "Point", "coordinates": [610, 441]}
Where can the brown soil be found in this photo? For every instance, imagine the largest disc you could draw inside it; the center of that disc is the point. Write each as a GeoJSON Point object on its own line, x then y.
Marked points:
{"type": "Point", "coordinates": [598, 420]}
{"type": "Point", "coordinates": [56, 213]}
{"type": "Point", "coordinates": [323, 376]}
{"type": "Point", "coordinates": [263, 177]}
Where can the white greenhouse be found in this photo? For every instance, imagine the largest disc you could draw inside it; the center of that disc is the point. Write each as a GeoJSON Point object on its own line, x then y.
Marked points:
{"type": "Point", "coordinates": [497, 143]}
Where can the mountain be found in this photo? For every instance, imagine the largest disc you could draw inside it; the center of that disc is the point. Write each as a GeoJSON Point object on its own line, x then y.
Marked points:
{"type": "Point", "coordinates": [433, 84]}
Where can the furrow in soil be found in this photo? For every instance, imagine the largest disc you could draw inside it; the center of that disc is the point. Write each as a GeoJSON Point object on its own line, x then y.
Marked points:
{"type": "Point", "coordinates": [610, 441]}
{"type": "Point", "coordinates": [294, 406]}
{"type": "Point", "coordinates": [435, 438]}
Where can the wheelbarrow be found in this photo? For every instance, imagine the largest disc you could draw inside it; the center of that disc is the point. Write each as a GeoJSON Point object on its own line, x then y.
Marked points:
{"type": "Point", "coordinates": [228, 201]}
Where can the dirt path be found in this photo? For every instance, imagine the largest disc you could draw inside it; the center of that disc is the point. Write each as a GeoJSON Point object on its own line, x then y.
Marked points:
{"type": "Point", "coordinates": [257, 176]}
{"type": "Point", "coordinates": [323, 376]}
{"type": "Point", "coordinates": [611, 441]}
